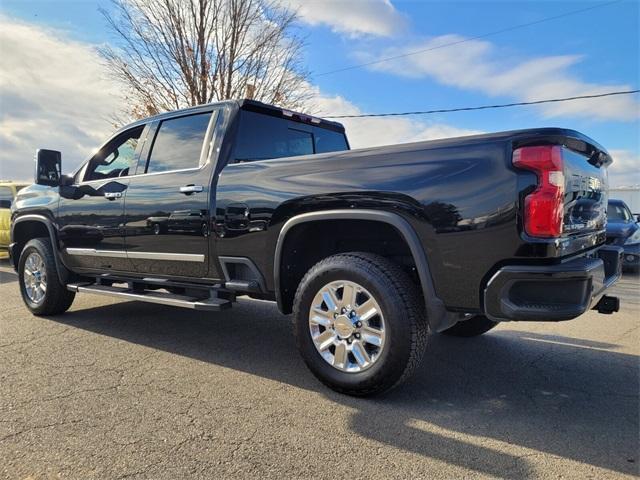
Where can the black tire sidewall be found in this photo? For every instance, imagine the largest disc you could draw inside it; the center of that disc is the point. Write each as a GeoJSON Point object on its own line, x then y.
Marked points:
{"type": "Point", "coordinates": [389, 367]}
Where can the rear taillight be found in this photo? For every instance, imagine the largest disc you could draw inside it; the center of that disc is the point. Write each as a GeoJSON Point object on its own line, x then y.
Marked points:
{"type": "Point", "coordinates": [544, 207]}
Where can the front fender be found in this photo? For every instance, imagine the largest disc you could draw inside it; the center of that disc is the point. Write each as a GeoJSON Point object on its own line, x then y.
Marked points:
{"type": "Point", "coordinates": [18, 242]}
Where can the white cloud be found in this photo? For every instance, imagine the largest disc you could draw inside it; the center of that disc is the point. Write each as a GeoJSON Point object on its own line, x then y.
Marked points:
{"type": "Point", "coordinates": [480, 66]}
{"type": "Point", "coordinates": [625, 169]}
{"type": "Point", "coordinates": [376, 131]}
{"type": "Point", "coordinates": [53, 94]}
{"type": "Point", "coordinates": [353, 17]}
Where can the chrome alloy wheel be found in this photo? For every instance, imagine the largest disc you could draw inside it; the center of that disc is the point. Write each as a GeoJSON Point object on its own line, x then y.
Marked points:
{"type": "Point", "coordinates": [35, 277]}
{"type": "Point", "coordinates": [347, 326]}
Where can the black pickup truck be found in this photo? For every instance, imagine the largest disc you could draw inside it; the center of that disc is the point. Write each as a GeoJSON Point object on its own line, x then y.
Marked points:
{"type": "Point", "coordinates": [370, 249]}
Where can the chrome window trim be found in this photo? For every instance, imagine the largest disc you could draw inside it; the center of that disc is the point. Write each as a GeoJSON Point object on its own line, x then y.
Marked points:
{"type": "Point", "coordinates": [211, 143]}
{"type": "Point", "coordinates": [208, 138]}
{"type": "Point", "coordinates": [203, 161]}
{"type": "Point", "coordinates": [180, 257]}
{"type": "Point", "coordinates": [191, 169]}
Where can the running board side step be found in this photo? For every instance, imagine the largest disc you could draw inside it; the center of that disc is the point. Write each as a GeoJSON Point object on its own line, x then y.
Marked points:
{"type": "Point", "coordinates": [213, 303]}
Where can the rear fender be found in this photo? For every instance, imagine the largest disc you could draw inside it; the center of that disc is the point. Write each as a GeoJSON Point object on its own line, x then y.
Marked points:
{"type": "Point", "coordinates": [438, 317]}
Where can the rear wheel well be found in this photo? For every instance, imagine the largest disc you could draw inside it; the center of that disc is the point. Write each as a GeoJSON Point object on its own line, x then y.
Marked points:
{"type": "Point", "coordinates": [308, 243]}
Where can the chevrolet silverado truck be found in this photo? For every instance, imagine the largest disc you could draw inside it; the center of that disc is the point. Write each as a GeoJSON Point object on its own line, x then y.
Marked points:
{"type": "Point", "coordinates": [369, 249]}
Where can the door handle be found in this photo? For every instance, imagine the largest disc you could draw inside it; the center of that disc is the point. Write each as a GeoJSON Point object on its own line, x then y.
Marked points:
{"type": "Point", "coordinates": [189, 189]}
{"type": "Point", "coordinates": [112, 195]}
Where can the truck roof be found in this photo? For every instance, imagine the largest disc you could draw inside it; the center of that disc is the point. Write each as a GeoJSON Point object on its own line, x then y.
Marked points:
{"type": "Point", "coordinates": [245, 104]}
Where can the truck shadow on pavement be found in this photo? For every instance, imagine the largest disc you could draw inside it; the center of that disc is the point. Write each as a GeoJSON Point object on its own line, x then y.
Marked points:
{"type": "Point", "coordinates": [540, 394]}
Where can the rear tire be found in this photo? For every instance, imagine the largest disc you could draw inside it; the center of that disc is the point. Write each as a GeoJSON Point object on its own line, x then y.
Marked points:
{"type": "Point", "coordinates": [387, 346]}
{"type": "Point", "coordinates": [472, 327]}
{"type": "Point", "coordinates": [40, 287]}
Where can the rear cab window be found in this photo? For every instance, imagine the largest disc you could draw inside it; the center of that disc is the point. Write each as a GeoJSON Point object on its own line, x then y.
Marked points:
{"type": "Point", "coordinates": [264, 137]}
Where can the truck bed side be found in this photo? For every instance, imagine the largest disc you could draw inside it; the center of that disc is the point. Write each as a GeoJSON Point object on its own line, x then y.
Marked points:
{"type": "Point", "coordinates": [461, 196]}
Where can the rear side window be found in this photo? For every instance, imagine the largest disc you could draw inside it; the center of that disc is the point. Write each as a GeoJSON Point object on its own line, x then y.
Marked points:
{"type": "Point", "coordinates": [178, 143]}
{"type": "Point", "coordinates": [262, 137]}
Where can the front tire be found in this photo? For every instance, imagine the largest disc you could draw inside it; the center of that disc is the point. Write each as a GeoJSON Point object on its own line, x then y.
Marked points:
{"type": "Point", "coordinates": [471, 327]}
{"type": "Point", "coordinates": [359, 323]}
{"type": "Point", "coordinates": [41, 290]}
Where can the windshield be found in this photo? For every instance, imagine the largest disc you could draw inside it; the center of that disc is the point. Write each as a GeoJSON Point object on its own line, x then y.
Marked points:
{"type": "Point", "coordinates": [618, 212]}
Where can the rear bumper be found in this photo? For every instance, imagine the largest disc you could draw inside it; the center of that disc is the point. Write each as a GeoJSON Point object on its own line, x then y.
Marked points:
{"type": "Point", "coordinates": [551, 292]}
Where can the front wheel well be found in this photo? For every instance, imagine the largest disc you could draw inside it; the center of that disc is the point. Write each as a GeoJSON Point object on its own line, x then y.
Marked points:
{"type": "Point", "coordinates": [25, 231]}
{"type": "Point", "coordinates": [309, 242]}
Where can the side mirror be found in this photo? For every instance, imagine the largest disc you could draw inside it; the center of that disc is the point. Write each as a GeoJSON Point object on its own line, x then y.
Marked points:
{"type": "Point", "coordinates": [66, 180]}
{"type": "Point", "coordinates": [638, 218]}
{"type": "Point", "coordinates": [5, 203]}
{"type": "Point", "coordinates": [48, 167]}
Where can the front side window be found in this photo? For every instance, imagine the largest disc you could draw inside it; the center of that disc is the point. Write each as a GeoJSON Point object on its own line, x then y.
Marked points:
{"type": "Point", "coordinates": [178, 143]}
{"type": "Point", "coordinates": [117, 158]}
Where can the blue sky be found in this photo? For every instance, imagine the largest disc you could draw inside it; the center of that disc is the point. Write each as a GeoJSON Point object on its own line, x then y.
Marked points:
{"type": "Point", "coordinates": [592, 51]}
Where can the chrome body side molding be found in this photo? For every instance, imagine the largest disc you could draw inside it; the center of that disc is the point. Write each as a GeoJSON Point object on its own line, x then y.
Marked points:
{"type": "Point", "coordinates": [179, 257]}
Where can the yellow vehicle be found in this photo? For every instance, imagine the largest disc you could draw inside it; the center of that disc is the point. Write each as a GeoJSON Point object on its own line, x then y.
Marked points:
{"type": "Point", "coordinates": [8, 192]}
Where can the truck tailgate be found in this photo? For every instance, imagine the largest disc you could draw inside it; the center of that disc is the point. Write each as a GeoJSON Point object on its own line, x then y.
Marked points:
{"type": "Point", "coordinates": [565, 205]}
{"type": "Point", "coordinates": [585, 194]}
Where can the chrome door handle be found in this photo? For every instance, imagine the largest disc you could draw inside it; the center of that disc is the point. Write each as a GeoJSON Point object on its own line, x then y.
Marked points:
{"type": "Point", "coordinates": [112, 195]}
{"type": "Point", "coordinates": [189, 189]}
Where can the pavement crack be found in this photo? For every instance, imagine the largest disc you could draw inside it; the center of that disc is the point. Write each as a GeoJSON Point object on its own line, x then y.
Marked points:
{"type": "Point", "coordinates": [38, 427]}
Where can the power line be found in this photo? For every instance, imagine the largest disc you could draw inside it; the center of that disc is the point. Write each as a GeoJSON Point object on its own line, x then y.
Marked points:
{"type": "Point", "coordinates": [484, 107]}
{"type": "Point", "coordinates": [458, 42]}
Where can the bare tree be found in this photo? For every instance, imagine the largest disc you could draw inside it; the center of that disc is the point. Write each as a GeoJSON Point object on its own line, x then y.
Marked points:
{"type": "Point", "coordinates": [177, 53]}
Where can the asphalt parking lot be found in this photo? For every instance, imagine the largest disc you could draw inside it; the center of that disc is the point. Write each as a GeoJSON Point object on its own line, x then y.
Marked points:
{"type": "Point", "coordinates": [124, 389]}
